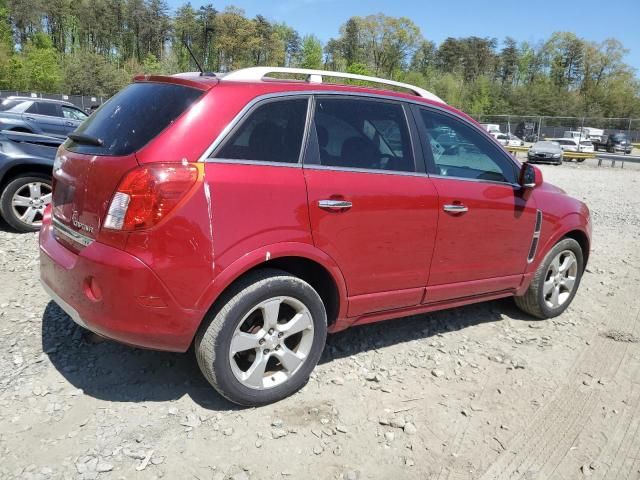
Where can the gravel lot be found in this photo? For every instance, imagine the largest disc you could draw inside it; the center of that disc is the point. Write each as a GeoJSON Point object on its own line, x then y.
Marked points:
{"type": "Point", "coordinates": [476, 392]}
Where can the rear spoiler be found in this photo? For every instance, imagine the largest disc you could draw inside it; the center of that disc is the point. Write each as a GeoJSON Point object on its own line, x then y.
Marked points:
{"type": "Point", "coordinates": [201, 82]}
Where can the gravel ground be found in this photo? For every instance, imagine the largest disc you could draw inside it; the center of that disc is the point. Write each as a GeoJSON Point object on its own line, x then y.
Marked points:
{"type": "Point", "coordinates": [476, 392]}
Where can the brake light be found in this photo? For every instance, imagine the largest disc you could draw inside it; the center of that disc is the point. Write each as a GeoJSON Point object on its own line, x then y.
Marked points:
{"type": "Point", "coordinates": [147, 194]}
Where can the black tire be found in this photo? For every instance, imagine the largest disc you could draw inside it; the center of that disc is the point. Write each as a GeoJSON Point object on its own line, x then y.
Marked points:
{"type": "Point", "coordinates": [7, 194]}
{"type": "Point", "coordinates": [580, 160]}
{"type": "Point", "coordinates": [213, 340]}
{"type": "Point", "coordinates": [532, 302]}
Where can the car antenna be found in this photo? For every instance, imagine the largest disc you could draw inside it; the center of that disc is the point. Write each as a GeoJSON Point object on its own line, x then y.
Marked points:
{"type": "Point", "coordinates": [202, 72]}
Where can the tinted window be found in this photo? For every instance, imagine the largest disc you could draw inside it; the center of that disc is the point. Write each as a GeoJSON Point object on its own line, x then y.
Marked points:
{"type": "Point", "coordinates": [73, 113]}
{"type": "Point", "coordinates": [271, 133]}
{"type": "Point", "coordinates": [459, 150]}
{"type": "Point", "coordinates": [361, 133]}
{"type": "Point", "coordinates": [33, 108]}
{"type": "Point", "coordinates": [50, 109]}
{"type": "Point", "coordinates": [133, 117]}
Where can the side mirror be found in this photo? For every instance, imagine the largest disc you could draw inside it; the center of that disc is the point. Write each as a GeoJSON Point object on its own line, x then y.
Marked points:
{"type": "Point", "coordinates": [530, 176]}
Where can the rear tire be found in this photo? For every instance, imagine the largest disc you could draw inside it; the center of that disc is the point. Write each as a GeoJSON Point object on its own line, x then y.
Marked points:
{"type": "Point", "coordinates": [18, 192]}
{"type": "Point", "coordinates": [246, 347]}
{"type": "Point", "coordinates": [549, 294]}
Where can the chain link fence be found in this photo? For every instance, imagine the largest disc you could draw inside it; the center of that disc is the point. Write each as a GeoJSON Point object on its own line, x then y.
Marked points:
{"type": "Point", "coordinates": [533, 127]}
{"type": "Point", "coordinates": [84, 102]}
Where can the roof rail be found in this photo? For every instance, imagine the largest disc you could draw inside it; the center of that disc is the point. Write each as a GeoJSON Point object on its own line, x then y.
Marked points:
{"type": "Point", "coordinates": [315, 76]}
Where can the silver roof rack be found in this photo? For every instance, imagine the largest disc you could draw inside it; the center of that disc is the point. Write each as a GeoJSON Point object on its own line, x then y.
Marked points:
{"type": "Point", "coordinates": [315, 76]}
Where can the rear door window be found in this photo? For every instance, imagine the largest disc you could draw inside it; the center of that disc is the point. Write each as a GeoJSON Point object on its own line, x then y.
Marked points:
{"type": "Point", "coordinates": [49, 109]}
{"type": "Point", "coordinates": [362, 133]}
{"type": "Point", "coordinates": [134, 117]}
{"type": "Point", "coordinates": [272, 132]}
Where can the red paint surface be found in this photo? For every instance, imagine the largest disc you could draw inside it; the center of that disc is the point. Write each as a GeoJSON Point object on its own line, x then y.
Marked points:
{"type": "Point", "coordinates": [394, 253]}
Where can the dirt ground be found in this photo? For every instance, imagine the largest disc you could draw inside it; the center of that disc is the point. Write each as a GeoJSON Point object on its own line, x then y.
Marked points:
{"type": "Point", "coordinates": [482, 392]}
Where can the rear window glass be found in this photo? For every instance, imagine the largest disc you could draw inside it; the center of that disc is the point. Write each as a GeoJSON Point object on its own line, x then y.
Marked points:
{"type": "Point", "coordinates": [134, 117]}
{"type": "Point", "coordinates": [9, 104]}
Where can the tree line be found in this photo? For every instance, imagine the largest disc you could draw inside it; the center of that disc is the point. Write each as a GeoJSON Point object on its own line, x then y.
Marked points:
{"type": "Point", "coordinates": [94, 47]}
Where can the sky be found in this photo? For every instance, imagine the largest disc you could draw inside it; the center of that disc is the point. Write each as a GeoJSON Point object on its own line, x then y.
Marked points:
{"type": "Point", "coordinates": [531, 21]}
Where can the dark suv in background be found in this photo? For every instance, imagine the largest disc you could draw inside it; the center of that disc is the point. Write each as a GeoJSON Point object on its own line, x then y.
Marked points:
{"type": "Point", "coordinates": [40, 115]}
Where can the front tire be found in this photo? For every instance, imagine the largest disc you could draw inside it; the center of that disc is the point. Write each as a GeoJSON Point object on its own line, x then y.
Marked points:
{"type": "Point", "coordinates": [23, 201]}
{"type": "Point", "coordinates": [263, 341]}
{"type": "Point", "coordinates": [555, 282]}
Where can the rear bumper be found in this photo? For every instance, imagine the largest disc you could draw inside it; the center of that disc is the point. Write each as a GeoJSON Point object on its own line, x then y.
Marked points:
{"type": "Point", "coordinates": [114, 294]}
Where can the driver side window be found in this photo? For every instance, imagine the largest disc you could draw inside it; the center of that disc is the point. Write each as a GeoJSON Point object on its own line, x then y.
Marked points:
{"type": "Point", "coordinates": [459, 150]}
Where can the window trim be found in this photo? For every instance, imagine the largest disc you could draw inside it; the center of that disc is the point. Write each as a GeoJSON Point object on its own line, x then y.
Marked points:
{"type": "Point", "coordinates": [409, 103]}
{"type": "Point", "coordinates": [429, 161]}
{"type": "Point", "coordinates": [242, 117]}
{"type": "Point", "coordinates": [417, 164]}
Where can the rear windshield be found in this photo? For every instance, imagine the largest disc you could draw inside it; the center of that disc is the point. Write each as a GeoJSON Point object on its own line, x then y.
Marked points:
{"type": "Point", "coordinates": [9, 104]}
{"type": "Point", "coordinates": [134, 117]}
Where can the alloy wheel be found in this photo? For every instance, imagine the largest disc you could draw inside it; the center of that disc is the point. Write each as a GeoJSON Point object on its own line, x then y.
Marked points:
{"type": "Point", "coordinates": [271, 343]}
{"type": "Point", "coordinates": [29, 201]}
{"type": "Point", "coordinates": [560, 280]}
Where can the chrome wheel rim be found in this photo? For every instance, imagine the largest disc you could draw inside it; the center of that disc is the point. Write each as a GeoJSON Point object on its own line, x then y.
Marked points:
{"type": "Point", "coordinates": [29, 202]}
{"type": "Point", "coordinates": [271, 343]}
{"type": "Point", "coordinates": [560, 280]}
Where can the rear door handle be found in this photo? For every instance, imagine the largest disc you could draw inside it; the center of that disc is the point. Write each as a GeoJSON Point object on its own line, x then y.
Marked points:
{"type": "Point", "coordinates": [70, 124]}
{"type": "Point", "coordinates": [335, 204]}
{"type": "Point", "coordinates": [456, 208]}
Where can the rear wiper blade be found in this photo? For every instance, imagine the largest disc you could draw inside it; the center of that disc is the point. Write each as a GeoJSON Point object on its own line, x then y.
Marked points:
{"type": "Point", "coordinates": [86, 139]}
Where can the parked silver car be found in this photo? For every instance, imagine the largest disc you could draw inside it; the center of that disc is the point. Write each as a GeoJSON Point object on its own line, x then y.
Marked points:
{"type": "Point", "coordinates": [545, 151]}
{"type": "Point", "coordinates": [39, 115]}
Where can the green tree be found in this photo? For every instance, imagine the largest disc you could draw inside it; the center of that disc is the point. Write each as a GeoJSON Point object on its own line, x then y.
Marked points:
{"type": "Point", "coordinates": [311, 55]}
{"type": "Point", "coordinates": [40, 70]}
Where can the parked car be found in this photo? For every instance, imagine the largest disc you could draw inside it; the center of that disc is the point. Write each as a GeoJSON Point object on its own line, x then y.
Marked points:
{"type": "Point", "coordinates": [26, 161]}
{"type": "Point", "coordinates": [545, 151]}
{"type": "Point", "coordinates": [249, 216]}
{"type": "Point", "coordinates": [573, 145]}
{"type": "Point", "coordinates": [40, 115]}
{"type": "Point", "coordinates": [615, 143]}
{"type": "Point", "coordinates": [509, 140]}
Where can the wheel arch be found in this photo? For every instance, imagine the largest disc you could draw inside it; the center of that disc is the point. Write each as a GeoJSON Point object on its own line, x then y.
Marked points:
{"type": "Point", "coordinates": [22, 169]}
{"type": "Point", "coordinates": [583, 239]}
{"type": "Point", "coordinates": [301, 260]}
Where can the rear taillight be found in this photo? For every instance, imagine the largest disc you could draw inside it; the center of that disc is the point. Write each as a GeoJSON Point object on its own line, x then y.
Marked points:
{"type": "Point", "coordinates": [147, 194]}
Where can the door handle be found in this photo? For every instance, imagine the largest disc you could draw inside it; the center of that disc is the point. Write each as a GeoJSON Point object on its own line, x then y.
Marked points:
{"type": "Point", "coordinates": [456, 208]}
{"type": "Point", "coordinates": [31, 119]}
{"type": "Point", "coordinates": [70, 124]}
{"type": "Point", "coordinates": [335, 204]}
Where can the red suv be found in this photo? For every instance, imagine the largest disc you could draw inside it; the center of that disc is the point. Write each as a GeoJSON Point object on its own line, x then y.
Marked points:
{"type": "Point", "coordinates": [249, 216]}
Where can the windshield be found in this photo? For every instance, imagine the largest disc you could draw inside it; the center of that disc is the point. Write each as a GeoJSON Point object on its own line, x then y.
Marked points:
{"type": "Point", "coordinates": [133, 117]}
